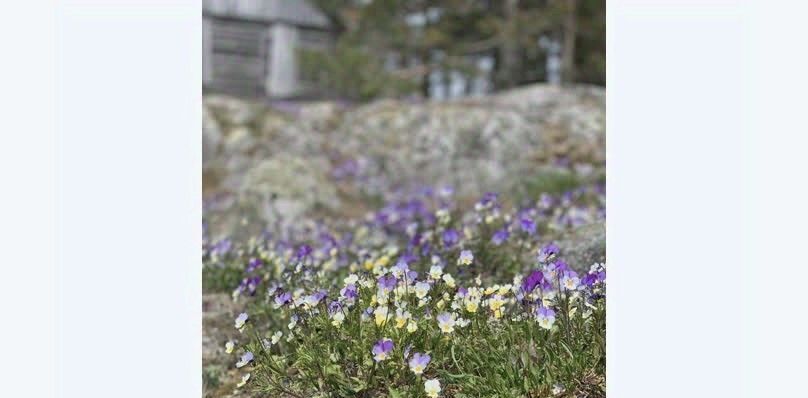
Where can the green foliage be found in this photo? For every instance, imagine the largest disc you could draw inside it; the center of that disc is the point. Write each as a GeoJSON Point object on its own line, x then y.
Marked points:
{"type": "Point", "coordinates": [552, 182]}
{"type": "Point", "coordinates": [220, 279]}
{"type": "Point", "coordinates": [450, 37]}
{"type": "Point", "coordinates": [351, 72]}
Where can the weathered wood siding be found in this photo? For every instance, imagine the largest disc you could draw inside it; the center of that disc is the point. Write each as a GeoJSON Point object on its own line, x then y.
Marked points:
{"type": "Point", "coordinates": [239, 57]}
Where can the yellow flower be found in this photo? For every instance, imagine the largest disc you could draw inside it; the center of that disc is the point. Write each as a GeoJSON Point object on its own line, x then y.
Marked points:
{"type": "Point", "coordinates": [471, 304]}
{"type": "Point", "coordinates": [401, 318]}
{"type": "Point", "coordinates": [412, 326]}
{"type": "Point", "coordinates": [381, 314]}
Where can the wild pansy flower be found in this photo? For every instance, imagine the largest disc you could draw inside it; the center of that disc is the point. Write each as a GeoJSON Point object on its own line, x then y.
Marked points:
{"type": "Point", "coordinates": [421, 289]}
{"type": "Point", "coordinates": [547, 253]}
{"type": "Point", "coordinates": [495, 303]}
{"type": "Point", "coordinates": [293, 321]}
{"type": "Point", "coordinates": [449, 280]}
{"type": "Point", "coordinates": [412, 326]}
{"type": "Point", "coordinates": [527, 225]}
{"type": "Point", "coordinates": [254, 264]}
{"type": "Point", "coordinates": [446, 322]}
{"type": "Point", "coordinates": [243, 381]}
{"type": "Point", "coordinates": [570, 280]}
{"type": "Point", "coordinates": [402, 317]}
{"type": "Point", "coordinates": [532, 280]}
{"type": "Point", "coordinates": [432, 388]}
{"type": "Point", "coordinates": [381, 314]}
{"type": "Point", "coordinates": [276, 337]}
{"type": "Point", "coordinates": [337, 318]}
{"type": "Point", "coordinates": [435, 272]}
{"type": "Point", "coordinates": [466, 258]}
{"type": "Point", "coordinates": [471, 302]}
{"type": "Point", "coordinates": [386, 284]}
{"type": "Point", "coordinates": [350, 293]}
{"type": "Point", "coordinates": [555, 269]}
{"type": "Point", "coordinates": [312, 300]}
{"type": "Point", "coordinates": [419, 362]}
{"type": "Point", "coordinates": [229, 346]}
{"type": "Point", "coordinates": [545, 316]}
{"type": "Point", "coordinates": [500, 236]}
{"type": "Point", "coordinates": [351, 279]}
{"type": "Point", "coordinates": [381, 349]}
{"type": "Point", "coordinates": [400, 269]}
{"type": "Point", "coordinates": [241, 321]}
{"type": "Point", "coordinates": [282, 299]}
{"type": "Point", "coordinates": [450, 237]}
{"type": "Point", "coordinates": [245, 359]}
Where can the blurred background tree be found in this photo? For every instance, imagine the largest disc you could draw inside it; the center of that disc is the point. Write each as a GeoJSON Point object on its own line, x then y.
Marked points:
{"type": "Point", "coordinates": [447, 48]}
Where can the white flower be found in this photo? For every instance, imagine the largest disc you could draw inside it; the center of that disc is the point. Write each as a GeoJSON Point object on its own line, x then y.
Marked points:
{"type": "Point", "coordinates": [435, 272]}
{"type": "Point", "coordinates": [421, 289]}
{"type": "Point", "coordinates": [412, 326]}
{"type": "Point", "coordinates": [466, 258]}
{"type": "Point", "coordinates": [244, 380]}
{"type": "Point", "coordinates": [432, 388]}
{"type": "Point", "coordinates": [446, 322]}
{"type": "Point", "coordinates": [570, 282]}
{"type": "Point", "coordinates": [337, 318]}
{"type": "Point", "coordinates": [449, 280]}
{"type": "Point", "coordinates": [241, 320]}
{"type": "Point", "coordinates": [351, 279]}
{"type": "Point", "coordinates": [276, 337]}
{"type": "Point", "coordinates": [229, 346]}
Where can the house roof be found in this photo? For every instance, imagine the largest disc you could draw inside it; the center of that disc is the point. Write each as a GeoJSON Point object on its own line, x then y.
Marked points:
{"type": "Point", "coordinates": [297, 12]}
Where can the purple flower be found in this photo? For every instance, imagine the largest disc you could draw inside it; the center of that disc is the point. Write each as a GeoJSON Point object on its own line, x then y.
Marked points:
{"type": "Point", "coordinates": [349, 292]}
{"type": "Point", "coordinates": [334, 306]}
{"type": "Point", "coordinates": [223, 246]}
{"type": "Point", "coordinates": [245, 359]}
{"type": "Point", "coordinates": [500, 236]}
{"type": "Point", "coordinates": [254, 264]}
{"type": "Point", "coordinates": [303, 251]}
{"type": "Point", "coordinates": [400, 268]}
{"type": "Point", "coordinates": [450, 237]}
{"type": "Point", "coordinates": [419, 362]}
{"type": "Point", "coordinates": [532, 280]}
{"type": "Point", "coordinates": [387, 283]}
{"type": "Point", "coordinates": [547, 252]}
{"type": "Point", "coordinates": [382, 349]}
{"type": "Point", "coordinates": [282, 299]}
{"type": "Point", "coordinates": [527, 225]}
{"type": "Point", "coordinates": [488, 199]}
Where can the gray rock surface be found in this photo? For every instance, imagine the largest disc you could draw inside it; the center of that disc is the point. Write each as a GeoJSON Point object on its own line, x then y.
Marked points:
{"type": "Point", "coordinates": [253, 152]}
{"type": "Point", "coordinates": [584, 246]}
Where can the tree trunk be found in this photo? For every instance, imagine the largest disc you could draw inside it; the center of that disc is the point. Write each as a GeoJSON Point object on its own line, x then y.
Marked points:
{"type": "Point", "coordinates": [570, 32]}
{"type": "Point", "coordinates": [509, 50]}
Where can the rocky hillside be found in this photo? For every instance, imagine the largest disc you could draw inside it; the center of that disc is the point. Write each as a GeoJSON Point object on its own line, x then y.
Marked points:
{"type": "Point", "coordinates": [260, 163]}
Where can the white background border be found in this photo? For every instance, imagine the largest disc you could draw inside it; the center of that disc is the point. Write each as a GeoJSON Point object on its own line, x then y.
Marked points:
{"type": "Point", "coordinates": [101, 159]}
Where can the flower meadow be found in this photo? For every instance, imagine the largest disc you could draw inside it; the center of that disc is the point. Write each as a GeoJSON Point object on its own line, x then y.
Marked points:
{"type": "Point", "coordinates": [426, 297]}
